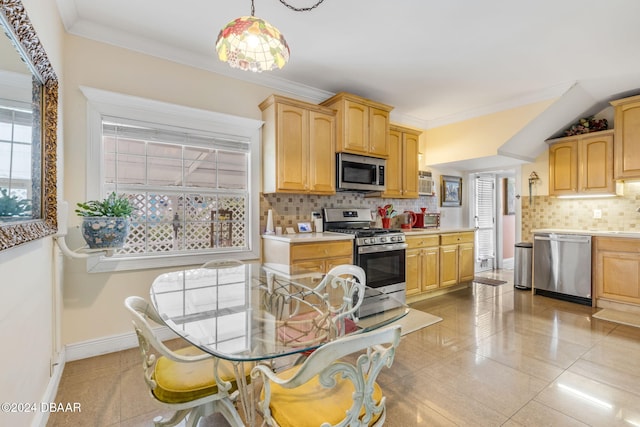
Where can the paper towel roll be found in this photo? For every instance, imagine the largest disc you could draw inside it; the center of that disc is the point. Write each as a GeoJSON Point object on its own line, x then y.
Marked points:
{"type": "Point", "coordinates": [270, 229]}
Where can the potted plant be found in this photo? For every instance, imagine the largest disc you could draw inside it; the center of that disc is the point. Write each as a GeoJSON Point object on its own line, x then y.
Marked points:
{"type": "Point", "coordinates": [105, 222]}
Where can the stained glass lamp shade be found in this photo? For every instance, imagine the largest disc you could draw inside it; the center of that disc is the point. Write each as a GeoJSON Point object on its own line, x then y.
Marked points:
{"type": "Point", "coordinates": [250, 43]}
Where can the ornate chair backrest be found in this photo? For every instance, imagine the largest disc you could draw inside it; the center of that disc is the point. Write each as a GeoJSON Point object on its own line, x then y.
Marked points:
{"type": "Point", "coordinates": [151, 347]}
{"type": "Point", "coordinates": [378, 349]}
{"type": "Point", "coordinates": [351, 280]}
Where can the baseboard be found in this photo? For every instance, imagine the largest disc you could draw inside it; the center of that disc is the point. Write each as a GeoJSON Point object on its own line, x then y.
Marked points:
{"type": "Point", "coordinates": [110, 344]}
{"type": "Point", "coordinates": [42, 417]}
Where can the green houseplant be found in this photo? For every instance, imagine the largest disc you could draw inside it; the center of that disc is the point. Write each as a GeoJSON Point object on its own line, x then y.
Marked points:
{"type": "Point", "coordinates": [105, 222]}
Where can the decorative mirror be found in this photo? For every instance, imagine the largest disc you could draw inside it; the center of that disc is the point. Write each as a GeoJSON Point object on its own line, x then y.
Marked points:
{"type": "Point", "coordinates": [28, 131]}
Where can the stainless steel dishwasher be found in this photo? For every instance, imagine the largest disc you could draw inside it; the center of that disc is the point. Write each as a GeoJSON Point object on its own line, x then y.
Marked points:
{"type": "Point", "coordinates": [562, 266]}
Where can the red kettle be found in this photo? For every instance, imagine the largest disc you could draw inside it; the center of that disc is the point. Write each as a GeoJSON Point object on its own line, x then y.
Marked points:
{"type": "Point", "coordinates": [410, 220]}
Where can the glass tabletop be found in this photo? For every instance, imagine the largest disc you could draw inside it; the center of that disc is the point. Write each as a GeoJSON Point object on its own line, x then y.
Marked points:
{"type": "Point", "coordinates": [246, 312]}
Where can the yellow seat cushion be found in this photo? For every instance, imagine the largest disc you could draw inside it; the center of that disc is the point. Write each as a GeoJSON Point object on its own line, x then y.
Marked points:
{"type": "Point", "coordinates": [179, 382]}
{"type": "Point", "coordinates": [311, 404]}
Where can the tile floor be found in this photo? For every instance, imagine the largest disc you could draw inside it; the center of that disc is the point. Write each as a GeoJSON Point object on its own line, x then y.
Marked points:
{"type": "Point", "coordinates": [500, 357]}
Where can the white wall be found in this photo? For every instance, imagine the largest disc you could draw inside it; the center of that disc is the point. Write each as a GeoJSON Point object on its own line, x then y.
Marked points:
{"type": "Point", "coordinates": [27, 285]}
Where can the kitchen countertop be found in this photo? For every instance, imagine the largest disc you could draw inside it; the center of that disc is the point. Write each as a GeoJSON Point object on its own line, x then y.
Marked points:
{"type": "Point", "coordinates": [597, 233]}
{"type": "Point", "coordinates": [419, 231]}
{"type": "Point", "coordinates": [308, 237]}
{"type": "Point", "coordinates": [328, 236]}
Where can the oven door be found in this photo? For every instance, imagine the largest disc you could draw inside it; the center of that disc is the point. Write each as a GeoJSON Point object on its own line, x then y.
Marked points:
{"type": "Point", "coordinates": [384, 265]}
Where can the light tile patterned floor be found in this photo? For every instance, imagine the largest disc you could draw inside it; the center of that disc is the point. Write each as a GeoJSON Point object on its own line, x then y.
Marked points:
{"type": "Point", "coordinates": [500, 357]}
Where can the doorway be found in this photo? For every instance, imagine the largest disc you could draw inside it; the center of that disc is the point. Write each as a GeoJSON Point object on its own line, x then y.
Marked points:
{"type": "Point", "coordinates": [493, 214]}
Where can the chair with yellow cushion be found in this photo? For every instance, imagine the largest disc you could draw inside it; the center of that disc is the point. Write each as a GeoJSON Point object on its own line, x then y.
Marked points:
{"type": "Point", "coordinates": [329, 387]}
{"type": "Point", "coordinates": [188, 381]}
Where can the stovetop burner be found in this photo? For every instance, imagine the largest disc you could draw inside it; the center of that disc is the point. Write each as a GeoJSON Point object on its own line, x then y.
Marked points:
{"type": "Point", "coordinates": [364, 232]}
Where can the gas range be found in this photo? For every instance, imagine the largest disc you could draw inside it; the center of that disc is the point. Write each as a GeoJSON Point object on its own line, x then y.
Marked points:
{"type": "Point", "coordinates": [372, 236]}
{"type": "Point", "coordinates": [380, 252]}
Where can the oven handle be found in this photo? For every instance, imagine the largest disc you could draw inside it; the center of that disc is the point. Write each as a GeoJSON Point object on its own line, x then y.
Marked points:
{"type": "Point", "coordinates": [381, 248]}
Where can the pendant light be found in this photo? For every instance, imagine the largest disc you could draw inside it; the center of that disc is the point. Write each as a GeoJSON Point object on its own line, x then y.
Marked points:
{"type": "Point", "coordinates": [251, 43]}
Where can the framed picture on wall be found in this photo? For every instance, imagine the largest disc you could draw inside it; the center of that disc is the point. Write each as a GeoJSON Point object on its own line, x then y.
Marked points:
{"type": "Point", "coordinates": [508, 196]}
{"type": "Point", "coordinates": [450, 190]}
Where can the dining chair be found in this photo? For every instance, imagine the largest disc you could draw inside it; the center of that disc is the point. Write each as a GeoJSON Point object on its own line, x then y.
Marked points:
{"type": "Point", "coordinates": [341, 292]}
{"type": "Point", "coordinates": [188, 381]}
{"type": "Point", "coordinates": [335, 385]}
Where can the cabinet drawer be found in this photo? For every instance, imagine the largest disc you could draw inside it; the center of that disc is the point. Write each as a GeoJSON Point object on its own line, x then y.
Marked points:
{"type": "Point", "coordinates": [455, 238]}
{"type": "Point", "coordinates": [422, 241]}
{"type": "Point", "coordinates": [321, 250]}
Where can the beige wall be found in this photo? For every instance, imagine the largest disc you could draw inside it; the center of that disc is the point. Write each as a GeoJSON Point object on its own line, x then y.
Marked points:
{"type": "Point", "coordinates": [93, 303]}
{"type": "Point", "coordinates": [478, 137]}
{"type": "Point", "coordinates": [27, 287]}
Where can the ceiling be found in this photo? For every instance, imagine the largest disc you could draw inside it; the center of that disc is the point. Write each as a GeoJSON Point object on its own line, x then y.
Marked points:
{"type": "Point", "coordinates": [435, 62]}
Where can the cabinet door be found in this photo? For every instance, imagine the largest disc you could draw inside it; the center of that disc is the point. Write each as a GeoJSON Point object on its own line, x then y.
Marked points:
{"type": "Point", "coordinates": [430, 268]}
{"type": "Point", "coordinates": [465, 262]}
{"type": "Point", "coordinates": [292, 148]}
{"type": "Point", "coordinates": [410, 170]}
{"type": "Point", "coordinates": [333, 262]}
{"type": "Point", "coordinates": [378, 132]}
{"type": "Point", "coordinates": [394, 173]}
{"type": "Point", "coordinates": [563, 168]}
{"type": "Point", "coordinates": [448, 265]}
{"type": "Point", "coordinates": [412, 265]}
{"type": "Point", "coordinates": [356, 128]}
{"type": "Point", "coordinates": [322, 148]}
{"type": "Point", "coordinates": [627, 140]}
{"type": "Point", "coordinates": [596, 164]}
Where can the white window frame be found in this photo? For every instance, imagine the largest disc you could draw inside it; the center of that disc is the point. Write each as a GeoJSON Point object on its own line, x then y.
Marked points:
{"type": "Point", "coordinates": [103, 103]}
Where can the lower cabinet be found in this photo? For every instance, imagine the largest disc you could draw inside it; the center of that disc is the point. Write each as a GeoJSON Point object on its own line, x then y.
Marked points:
{"type": "Point", "coordinates": [616, 271]}
{"type": "Point", "coordinates": [292, 258]}
{"type": "Point", "coordinates": [439, 261]}
{"type": "Point", "coordinates": [423, 264]}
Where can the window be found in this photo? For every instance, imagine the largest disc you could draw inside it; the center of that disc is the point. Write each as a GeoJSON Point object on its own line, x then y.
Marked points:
{"type": "Point", "coordinates": [191, 175]}
{"type": "Point", "coordinates": [16, 181]}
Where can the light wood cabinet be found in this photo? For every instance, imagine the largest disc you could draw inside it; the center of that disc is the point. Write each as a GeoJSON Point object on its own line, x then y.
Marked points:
{"type": "Point", "coordinates": [293, 258]}
{"type": "Point", "coordinates": [627, 137]}
{"type": "Point", "coordinates": [422, 263]}
{"type": "Point", "coordinates": [616, 271]}
{"type": "Point", "coordinates": [456, 258]}
{"type": "Point", "coordinates": [582, 164]}
{"type": "Point", "coordinates": [438, 261]}
{"type": "Point", "coordinates": [402, 165]}
{"type": "Point", "coordinates": [298, 147]}
{"type": "Point", "coordinates": [362, 125]}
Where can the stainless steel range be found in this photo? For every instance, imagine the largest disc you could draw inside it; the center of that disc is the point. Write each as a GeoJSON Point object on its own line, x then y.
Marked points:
{"type": "Point", "coordinates": [379, 251]}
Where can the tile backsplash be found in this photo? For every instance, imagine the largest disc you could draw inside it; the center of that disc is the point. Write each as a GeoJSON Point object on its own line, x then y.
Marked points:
{"type": "Point", "coordinates": [618, 213]}
{"type": "Point", "coordinates": [290, 209]}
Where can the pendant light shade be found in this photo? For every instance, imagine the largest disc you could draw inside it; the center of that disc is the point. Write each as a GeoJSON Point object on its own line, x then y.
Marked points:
{"type": "Point", "coordinates": [250, 43]}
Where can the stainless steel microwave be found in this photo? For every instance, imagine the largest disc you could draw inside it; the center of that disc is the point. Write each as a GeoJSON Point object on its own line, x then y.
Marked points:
{"type": "Point", "coordinates": [359, 173]}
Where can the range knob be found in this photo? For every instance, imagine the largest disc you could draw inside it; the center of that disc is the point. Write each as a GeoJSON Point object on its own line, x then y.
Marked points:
{"type": "Point", "coordinates": [365, 241]}
{"type": "Point", "coordinates": [383, 239]}
{"type": "Point", "coordinates": [393, 238]}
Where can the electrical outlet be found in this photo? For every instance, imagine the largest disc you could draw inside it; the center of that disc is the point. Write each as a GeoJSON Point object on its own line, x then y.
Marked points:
{"type": "Point", "coordinates": [597, 213]}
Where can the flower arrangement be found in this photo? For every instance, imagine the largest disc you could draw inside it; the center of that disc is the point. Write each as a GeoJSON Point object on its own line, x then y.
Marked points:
{"type": "Point", "coordinates": [586, 125]}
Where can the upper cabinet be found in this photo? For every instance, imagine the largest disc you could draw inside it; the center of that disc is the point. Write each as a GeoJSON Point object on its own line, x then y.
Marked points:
{"type": "Point", "coordinates": [402, 163]}
{"type": "Point", "coordinates": [362, 125]}
{"type": "Point", "coordinates": [298, 147]}
{"type": "Point", "coordinates": [582, 164]}
{"type": "Point", "coordinates": [627, 137]}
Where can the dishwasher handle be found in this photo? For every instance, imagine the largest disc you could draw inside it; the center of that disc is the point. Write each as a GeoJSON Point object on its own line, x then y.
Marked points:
{"type": "Point", "coordinates": [564, 238]}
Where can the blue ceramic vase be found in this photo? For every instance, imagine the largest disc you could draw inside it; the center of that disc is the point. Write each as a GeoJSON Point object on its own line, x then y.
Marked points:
{"type": "Point", "coordinates": [105, 232]}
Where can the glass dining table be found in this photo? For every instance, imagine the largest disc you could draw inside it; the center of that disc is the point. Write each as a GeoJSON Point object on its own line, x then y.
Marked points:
{"type": "Point", "coordinates": [250, 312]}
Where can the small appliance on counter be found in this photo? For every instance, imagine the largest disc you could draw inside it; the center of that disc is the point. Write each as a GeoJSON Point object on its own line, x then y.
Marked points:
{"type": "Point", "coordinates": [409, 220]}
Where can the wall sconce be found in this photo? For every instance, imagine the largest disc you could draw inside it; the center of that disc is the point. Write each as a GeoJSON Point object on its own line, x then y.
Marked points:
{"type": "Point", "coordinates": [533, 178]}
